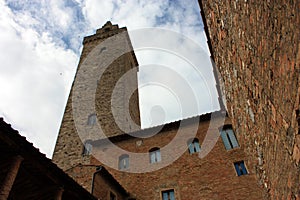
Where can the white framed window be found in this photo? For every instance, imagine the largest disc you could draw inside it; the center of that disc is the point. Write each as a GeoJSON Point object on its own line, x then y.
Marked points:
{"type": "Point", "coordinates": [154, 155]}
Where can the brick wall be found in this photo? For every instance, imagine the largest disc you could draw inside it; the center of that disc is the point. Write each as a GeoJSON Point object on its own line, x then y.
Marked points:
{"type": "Point", "coordinates": [212, 177]}
{"type": "Point", "coordinates": [104, 186]}
{"type": "Point", "coordinates": [255, 45]}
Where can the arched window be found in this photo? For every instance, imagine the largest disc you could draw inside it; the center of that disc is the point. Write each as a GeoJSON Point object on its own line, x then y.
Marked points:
{"type": "Point", "coordinates": [87, 148]}
{"type": "Point", "coordinates": [228, 137]}
{"type": "Point", "coordinates": [154, 155]}
{"type": "Point", "coordinates": [92, 119]}
{"type": "Point", "coordinates": [194, 145]}
{"type": "Point", "coordinates": [124, 162]}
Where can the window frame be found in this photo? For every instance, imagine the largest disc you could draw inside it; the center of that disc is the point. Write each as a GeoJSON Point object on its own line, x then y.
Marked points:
{"type": "Point", "coordinates": [124, 158]}
{"type": "Point", "coordinates": [155, 152]}
{"type": "Point", "coordinates": [240, 168]}
{"type": "Point", "coordinates": [229, 138]}
{"type": "Point", "coordinates": [168, 192]}
{"type": "Point", "coordinates": [194, 146]}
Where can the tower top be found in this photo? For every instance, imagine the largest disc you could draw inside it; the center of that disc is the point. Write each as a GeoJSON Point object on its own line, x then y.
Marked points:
{"type": "Point", "coordinates": [107, 27]}
{"type": "Point", "coordinates": [106, 31]}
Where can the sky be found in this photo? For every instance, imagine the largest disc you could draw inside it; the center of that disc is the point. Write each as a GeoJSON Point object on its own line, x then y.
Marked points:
{"type": "Point", "coordinates": [41, 41]}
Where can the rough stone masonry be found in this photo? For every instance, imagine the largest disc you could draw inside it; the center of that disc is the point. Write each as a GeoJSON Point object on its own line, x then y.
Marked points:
{"type": "Point", "coordinates": [255, 45]}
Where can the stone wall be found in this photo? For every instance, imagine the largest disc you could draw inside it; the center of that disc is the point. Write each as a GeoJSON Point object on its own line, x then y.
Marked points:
{"type": "Point", "coordinates": [255, 45]}
{"type": "Point", "coordinates": [68, 151]}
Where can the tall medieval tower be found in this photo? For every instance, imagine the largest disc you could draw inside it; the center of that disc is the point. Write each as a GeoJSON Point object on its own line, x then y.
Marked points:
{"type": "Point", "coordinates": [258, 60]}
{"type": "Point", "coordinates": [72, 151]}
{"type": "Point", "coordinates": [164, 165]}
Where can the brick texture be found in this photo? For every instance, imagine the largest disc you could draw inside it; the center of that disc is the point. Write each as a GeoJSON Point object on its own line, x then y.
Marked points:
{"type": "Point", "coordinates": [255, 45]}
{"type": "Point", "coordinates": [212, 177]}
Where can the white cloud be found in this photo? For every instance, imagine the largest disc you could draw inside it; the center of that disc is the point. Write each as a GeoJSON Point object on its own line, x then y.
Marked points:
{"type": "Point", "coordinates": [35, 77]}
{"type": "Point", "coordinates": [41, 41]}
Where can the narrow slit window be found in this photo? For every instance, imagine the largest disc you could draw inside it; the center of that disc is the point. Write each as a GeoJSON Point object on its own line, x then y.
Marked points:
{"type": "Point", "coordinates": [229, 138]}
{"type": "Point", "coordinates": [154, 155]}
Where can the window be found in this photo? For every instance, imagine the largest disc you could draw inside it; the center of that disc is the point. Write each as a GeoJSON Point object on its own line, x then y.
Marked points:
{"type": "Point", "coordinates": [229, 139]}
{"type": "Point", "coordinates": [155, 155]}
{"type": "Point", "coordinates": [92, 119]}
{"type": "Point", "coordinates": [124, 162]}
{"type": "Point", "coordinates": [194, 146]}
{"type": "Point", "coordinates": [87, 148]}
{"type": "Point", "coordinates": [168, 195]}
{"type": "Point", "coordinates": [240, 168]}
{"type": "Point", "coordinates": [102, 49]}
{"type": "Point", "coordinates": [112, 196]}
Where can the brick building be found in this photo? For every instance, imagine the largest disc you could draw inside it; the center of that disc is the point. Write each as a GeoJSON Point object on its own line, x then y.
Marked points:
{"type": "Point", "coordinates": [255, 45]}
{"type": "Point", "coordinates": [145, 167]}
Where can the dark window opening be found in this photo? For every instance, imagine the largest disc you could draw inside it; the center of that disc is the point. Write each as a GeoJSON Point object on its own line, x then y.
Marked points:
{"type": "Point", "coordinates": [240, 168]}
{"type": "Point", "coordinates": [112, 196]}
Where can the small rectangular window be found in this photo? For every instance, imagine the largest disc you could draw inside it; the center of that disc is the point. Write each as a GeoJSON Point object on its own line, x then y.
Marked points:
{"type": "Point", "coordinates": [240, 168]}
{"type": "Point", "coordinates": [124, 162]}
{"type": "Point", "coordinates": [168, 195]}
{"type": "Point", "coordinates": [194, 146]}
{"type": "Point", "coordinates": [155, 155]}
{"type": "Point", "coordinates": [92, 119]}
{"type": "Point", "coordinates": [229, 139]}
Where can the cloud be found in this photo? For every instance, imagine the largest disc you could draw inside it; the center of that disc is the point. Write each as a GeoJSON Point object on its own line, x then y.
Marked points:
{"type": "Point", "coordinates": [41, 41]}
{"type": "Point", "coordinates": [36, 74]}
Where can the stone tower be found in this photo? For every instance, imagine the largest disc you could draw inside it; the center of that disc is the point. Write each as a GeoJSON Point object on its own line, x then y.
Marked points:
{"type": "Point", "coordinates": [71, 150]}
{"type": "Point", "coordinates": [156, 163]}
